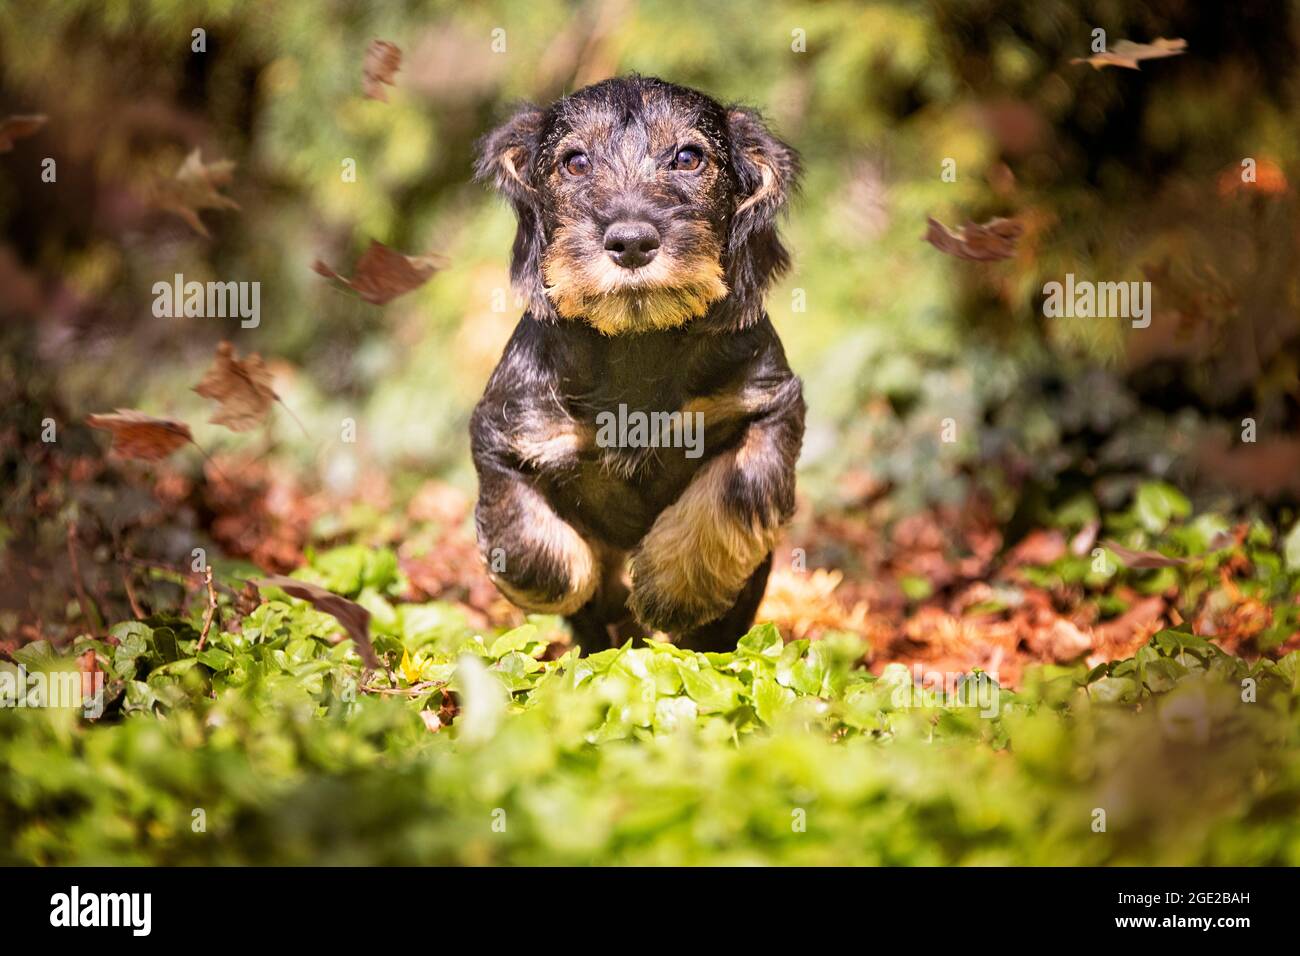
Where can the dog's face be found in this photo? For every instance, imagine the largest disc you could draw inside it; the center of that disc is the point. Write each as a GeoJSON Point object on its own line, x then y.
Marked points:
{"type": "Point", "coordinates": [642, 205]}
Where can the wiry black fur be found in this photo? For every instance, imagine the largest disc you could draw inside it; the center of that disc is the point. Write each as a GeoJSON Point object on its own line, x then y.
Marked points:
{"type": "Point", "coordinates": [557, 369]}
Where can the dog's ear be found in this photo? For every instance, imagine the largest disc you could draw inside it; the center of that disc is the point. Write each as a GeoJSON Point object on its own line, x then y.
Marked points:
{"type": "Point", "coordinates": [507, 158]}
{"type": "Point", "coordinates": [505, 155]}
{"type": "Point", "coordinates": [767, 174]}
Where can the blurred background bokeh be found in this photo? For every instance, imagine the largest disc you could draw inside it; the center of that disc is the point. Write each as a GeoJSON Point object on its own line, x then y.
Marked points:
{"type": "Point", "coordinates": [1117, 175]}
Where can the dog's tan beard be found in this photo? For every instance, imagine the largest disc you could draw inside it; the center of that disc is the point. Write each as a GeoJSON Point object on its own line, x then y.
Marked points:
{"type": "Point", "coordinates": [664, 294]}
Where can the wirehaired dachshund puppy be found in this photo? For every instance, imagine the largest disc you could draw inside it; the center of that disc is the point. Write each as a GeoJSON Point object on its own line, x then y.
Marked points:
{"type": "Point", "coordinates": [636, 445]}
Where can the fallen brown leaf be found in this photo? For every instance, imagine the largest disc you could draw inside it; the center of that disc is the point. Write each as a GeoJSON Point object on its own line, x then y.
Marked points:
{"type": "Point", "coordinates": [1126, 53]}
{"type": "Point", "coordinates": [383, 60]}
{"type": "Point", "coordinates": [995, 239]}
{"type": "Point", "coordinates": [354, 618]}
{"type": "Point", "coordinates": [140, 436]}
{"type": "Point", "coordinates": [1060, 641]}
{"type": "Point", "coordinates": [14, 128]}
{"type": "Point", "coordinates": [1143, 560]}
{"type": "Point", "coordinates": [195, 187]}
{"type": "Point", "coordinates": [1040, 546]}
{"type": "Point", "coordinates": [242, 387]}
{"type": "Point", "coordinates": [804, 603]}
{"type": "Point", "coordinates": [1081, 543]}
{"type": "Point", "coordinates": [382, 274]}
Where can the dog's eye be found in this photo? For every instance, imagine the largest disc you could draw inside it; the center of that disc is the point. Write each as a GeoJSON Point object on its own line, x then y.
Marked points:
{"type": "Point", "coordinates": [577, 164]}
{"type": "Point", "coordinates": [688, 159]}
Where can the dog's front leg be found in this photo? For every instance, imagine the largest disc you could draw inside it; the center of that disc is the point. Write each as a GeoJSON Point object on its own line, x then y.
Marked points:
{"type": "Point", "coordinates": [535, 557]}
{"type": "Point", "coordinates": [690, 567]}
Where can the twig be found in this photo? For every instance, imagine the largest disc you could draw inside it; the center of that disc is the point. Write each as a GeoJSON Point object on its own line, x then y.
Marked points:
{"type": "Point", "coordinates": [210, 461]}
{"type": "Point", "coordinates": [212, 606]}
{"type": "Point", "coordinates": [130, 595]}
{"type": "Point", "coordinates": [412, 691]}
{"type": "Point", "coordinates": [172, 569]}
{"type": "Point", "coordinates": [297, 421]}
{"type": "Point", "coordinates": [83, 599]}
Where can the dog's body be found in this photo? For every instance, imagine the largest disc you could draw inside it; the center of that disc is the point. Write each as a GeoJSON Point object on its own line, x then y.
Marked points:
{"type": "Point", "coordinates": [644, 262]}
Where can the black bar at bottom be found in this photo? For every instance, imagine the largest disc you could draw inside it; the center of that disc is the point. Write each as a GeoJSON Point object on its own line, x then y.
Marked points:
{"type": "Point", "coordinates": [339, 906]}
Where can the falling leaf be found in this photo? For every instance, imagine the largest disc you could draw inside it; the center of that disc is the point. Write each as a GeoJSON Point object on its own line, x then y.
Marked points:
{"type": "Point", "coordinates": [354, 618]}
{"type": "Point", "coordinates": [1126, 53]}
{"type": "Point", "coordinates": [995, 239]}
{"type": "Point", "coordinates": [382, 274]}
{"type": "Point", "coordinates": [140, 436]}
{"type": "Point", "coordinates": [196, 186]}
{"type": "Point", "coordinates": [14, 128]}
{"type": "Point", "coordinates": [383, 60]}
{"type": "Point", "coordinates": [243, 387]}
{"type": "Point", "coordinates": [1143, 560]}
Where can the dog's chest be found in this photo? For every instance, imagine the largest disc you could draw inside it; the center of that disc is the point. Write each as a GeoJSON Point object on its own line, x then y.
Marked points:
{"type": "Point", "coordinates": [643, 444]}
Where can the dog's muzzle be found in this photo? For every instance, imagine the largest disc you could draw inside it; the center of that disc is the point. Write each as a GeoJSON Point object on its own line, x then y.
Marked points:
{"type": "Point", "coordinates": [632, 244]}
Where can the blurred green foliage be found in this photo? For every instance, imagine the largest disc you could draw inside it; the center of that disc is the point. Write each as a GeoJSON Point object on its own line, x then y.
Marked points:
{"type": "Point", "coordinates": [1118, 175]}
{"type": "Point", "coordinates": [271, 745]}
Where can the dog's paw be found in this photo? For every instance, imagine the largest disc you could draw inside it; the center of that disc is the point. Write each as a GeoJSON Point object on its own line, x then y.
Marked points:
{"type": "Point", "coordinates": [663, 598]}
{"type": "Point", "coordinates": [540, 563]}
{"type": "Point", "coordinates": [544, 589]}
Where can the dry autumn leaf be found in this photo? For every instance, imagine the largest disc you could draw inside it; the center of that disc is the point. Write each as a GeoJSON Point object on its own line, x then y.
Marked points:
{"type": "Point", "coordinates": [196, 187]}
{"type": "Point", "coordinates": [805, 604]}
{"type": "Point", "coordinates": [354, 618]}
{"type": "Point", "coordinates": [242, 387]}
{"type": "Point", "coordinates": [383, 60]}
{"type": "Point", "coordinates": [1126, 53]}
{"type": "Point", "coordinates": [140, 436]}
{"type": "Point", "coordinates": [382, 274]}
{"type": "Point", "coordinates": [995, 239]}
{"type": "Point", "coordinates": [14, 128]}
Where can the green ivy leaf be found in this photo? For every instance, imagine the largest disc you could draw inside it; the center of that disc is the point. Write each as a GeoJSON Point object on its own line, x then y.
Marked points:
{"type": "Point", "coordinates": [1158, 503]}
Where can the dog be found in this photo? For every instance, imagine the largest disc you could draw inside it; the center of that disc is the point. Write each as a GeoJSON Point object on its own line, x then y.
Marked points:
{"type": "Point", "coordinates": [646, 239]}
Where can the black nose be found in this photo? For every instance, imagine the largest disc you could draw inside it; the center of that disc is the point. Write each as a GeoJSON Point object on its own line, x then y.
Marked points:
{"type": "Point", "coordinates": [632, 244]}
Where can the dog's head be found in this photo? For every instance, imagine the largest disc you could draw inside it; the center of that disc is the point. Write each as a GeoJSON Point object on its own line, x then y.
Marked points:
{"type": "Point", "coordinates": [642, 205]}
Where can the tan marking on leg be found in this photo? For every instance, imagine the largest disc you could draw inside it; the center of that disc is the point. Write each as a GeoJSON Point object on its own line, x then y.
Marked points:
{"type": "Point", "coordinates": [553, 443]}
{"type": "Point", "coordinates": [755, 443]}
{"type": "Point", "coordinates": [739, 403]}
{"type": "Point", "coordinates": [697, 556]}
